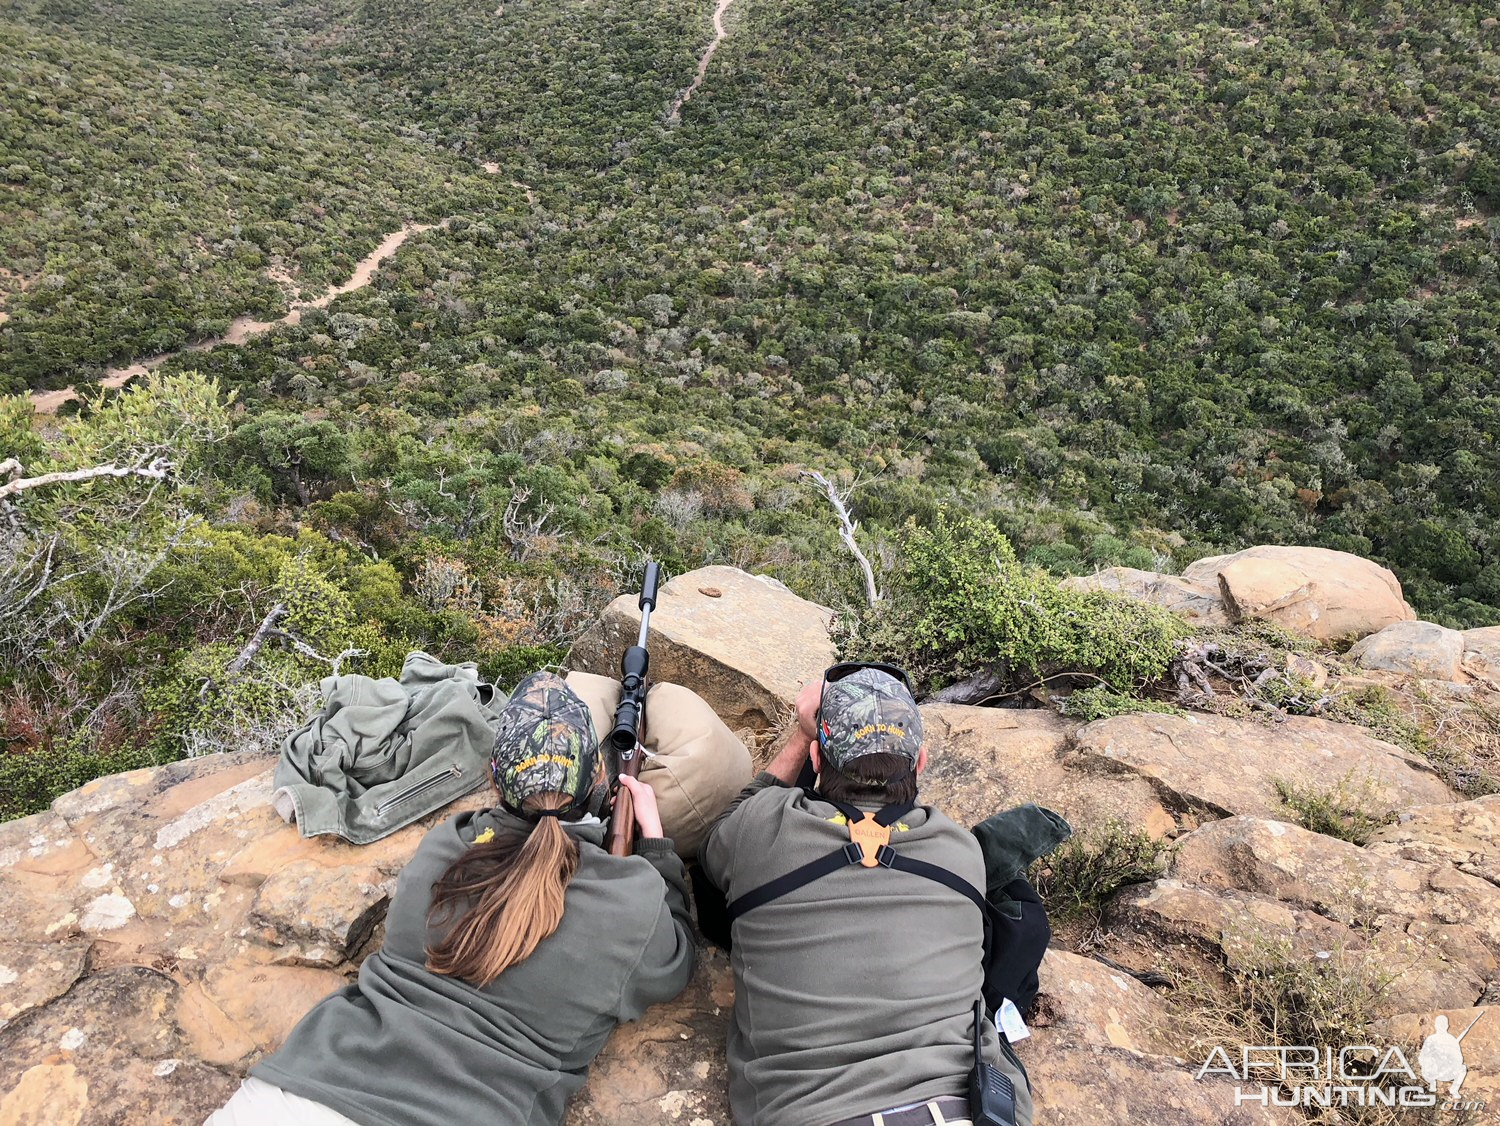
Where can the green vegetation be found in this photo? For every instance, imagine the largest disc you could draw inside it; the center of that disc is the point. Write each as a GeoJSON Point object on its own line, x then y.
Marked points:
{"type": "Point", "coordinates": [1342, 810]}
{"type": "Point", "coordinates": [1077, 879]}
{"type": "Point", "coordinates": [1125, 283]}
{"type": "Point", "coordinates": [1099, 702]}
{"type": "Point", "coordinates": [960, 603]}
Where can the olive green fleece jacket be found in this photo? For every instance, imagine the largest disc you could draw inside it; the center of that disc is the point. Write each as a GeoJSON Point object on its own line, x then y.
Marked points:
{"type": "Point", "coordinates": [856, 992]}
{"type": "Point", "coordinates": [406, 1047]}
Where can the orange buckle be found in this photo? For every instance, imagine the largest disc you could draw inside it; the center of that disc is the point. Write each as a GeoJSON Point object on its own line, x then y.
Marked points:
{"type": "Point", "coordinates": [871, 836]}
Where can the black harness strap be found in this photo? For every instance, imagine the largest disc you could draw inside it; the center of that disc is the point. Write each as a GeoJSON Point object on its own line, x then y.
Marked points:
{"type": "Point", "coordinates": [893, 859]}
{"type": "Point", "coordinates": [849, 854]}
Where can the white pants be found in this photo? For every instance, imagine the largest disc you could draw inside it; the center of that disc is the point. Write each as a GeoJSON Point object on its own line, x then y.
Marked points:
{"type": "Point", "coordinates": [258, 1103]}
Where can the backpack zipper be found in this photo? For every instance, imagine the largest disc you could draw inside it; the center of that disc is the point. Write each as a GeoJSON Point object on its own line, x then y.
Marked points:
{"type": "Point", "coordinates": [454, 771]}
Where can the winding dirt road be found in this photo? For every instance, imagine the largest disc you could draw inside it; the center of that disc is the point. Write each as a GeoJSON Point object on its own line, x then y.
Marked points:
{"type": "Point", "coordinates": [674, 114]}
{"type": "Point", "coordinates": [247, 328]}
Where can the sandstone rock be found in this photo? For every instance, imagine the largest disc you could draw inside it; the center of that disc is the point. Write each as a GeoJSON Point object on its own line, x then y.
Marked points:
{"type": "Point", "coordinates": [669, 1067]}
{"type": "Point", "coordinates": [326, 913]}
{"type": "Point", "coordinates": [105, 1051]}
{"type": "Point", "coordinates": [1230, 766]}
{"type": "Point", "coordinates": [1199, 931]}
{"type": "Point", "coordinates": [982, 760]}
{"type": "Point", "coordinates": [1086, 1003]}
{"type": "Point", "coordinates": [1200, 603]}
{"type": "Point", "coordinates": [1335, 879]}
{"type": "Point", "coordinates": [1113, 1087]}
{"type": "Point", "coordinates": [1414, 647]}
{"type": "Point", "coordinates": [743, 642]}
{"type": "Point", "coordinates": [1482, 652]}
{"type": "Point", "coordinates": [1310, 590]}
{"type": "Point", "coordinates": [33, 974]}
{"type": "Point", "coordinates": [1307, 670]}
{"type": "Point", "coordinates": [1480, 1047]}
{"type": "Point", "coordinates": [1466, 835]}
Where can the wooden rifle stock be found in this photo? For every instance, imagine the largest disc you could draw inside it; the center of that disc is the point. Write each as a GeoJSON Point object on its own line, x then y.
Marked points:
{"type": "Point", "coordinates": [630, 720]}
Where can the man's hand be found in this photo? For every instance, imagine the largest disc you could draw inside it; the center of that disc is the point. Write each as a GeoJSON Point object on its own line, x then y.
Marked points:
{"type": "Point", "coordinates": [808, 702]}
{"type": "Point", "coordinates": [643, 806]}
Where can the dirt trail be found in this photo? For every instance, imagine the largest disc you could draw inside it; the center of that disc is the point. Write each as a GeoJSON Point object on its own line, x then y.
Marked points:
{"type": "Point", "coordinates": [674, 114]}
{"type": "Point", "coordinates": [247, 328]}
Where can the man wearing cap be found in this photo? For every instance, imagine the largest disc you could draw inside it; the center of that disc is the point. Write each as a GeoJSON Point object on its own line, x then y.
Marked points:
{"type": "Point", "coordinates": [854, 991]}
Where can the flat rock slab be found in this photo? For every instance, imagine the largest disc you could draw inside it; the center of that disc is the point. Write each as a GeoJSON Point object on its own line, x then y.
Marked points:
{"type": "Point", "coordinates": [103, 1053]}
{"type": "Point", "coordinates": [32, 974]}
{"type": "Point", "coordinates": [667, 1069]}
{"type": "Point", "coordinates": [1466, 835]}
{"type": "Point", "coordinates": [1230, 766]}
{"type": "Point", "coordinates": [1415, 648]}
{"type": "Point", "coordinates": [1084, 1002]}
{"type": "Point", "coordinates": [743, 642]}
{"type": "Point", "coordinates": [1335, 879]}
{"type": "Point", "coordinates": [1115, 1087]}
{"type": "Point", "coordinates": [983, 760]}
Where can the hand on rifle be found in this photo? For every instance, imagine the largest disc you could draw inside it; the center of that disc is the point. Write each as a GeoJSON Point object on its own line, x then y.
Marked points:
{"type": "Point", "coordinates": [643, 805]}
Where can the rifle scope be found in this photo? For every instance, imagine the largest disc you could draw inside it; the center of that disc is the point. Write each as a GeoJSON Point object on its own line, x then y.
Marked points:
{"type": "Point", "coordinates": [633, 667]}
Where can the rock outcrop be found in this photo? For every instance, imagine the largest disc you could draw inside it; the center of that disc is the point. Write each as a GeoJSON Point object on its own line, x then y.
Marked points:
{"type": "Point", "coordinates": [1482, 652]}
{"type": "Point", "coordinates": [1221, 766]}
{"type": "Point", "coordinates": [1322, 594]}
{"type": "Point", "coordinates": [1199, 603]}
{"type": "Point", "coordinates": [743, 642]}
{"type": "Point", "coordinates": [1310, 590]}
{"type": "Point", "coordinates": [1417, 648]}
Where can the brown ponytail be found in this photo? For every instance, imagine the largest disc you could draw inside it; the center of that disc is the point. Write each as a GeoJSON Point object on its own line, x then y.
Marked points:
{"type": "Point", "coordinates": [518, 883]}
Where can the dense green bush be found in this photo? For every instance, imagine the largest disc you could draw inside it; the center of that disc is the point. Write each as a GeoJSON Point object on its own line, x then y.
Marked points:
{"type": "Point", "coordinates": [959, 602]}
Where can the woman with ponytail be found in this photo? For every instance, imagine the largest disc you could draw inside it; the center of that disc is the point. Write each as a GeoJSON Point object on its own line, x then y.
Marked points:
{"type": "Point", "coordinates": [514, 945]}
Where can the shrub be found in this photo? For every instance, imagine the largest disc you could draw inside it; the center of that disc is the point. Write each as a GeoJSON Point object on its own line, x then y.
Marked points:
{"type": "Point", "coordinates": [1076, 879]}
{"type": "Point", "coordinates": [1340, 811]}
{"type": "Point", "coordinates": [959, 601]}
{"type": "Point", "coordinates": [1099, 702]}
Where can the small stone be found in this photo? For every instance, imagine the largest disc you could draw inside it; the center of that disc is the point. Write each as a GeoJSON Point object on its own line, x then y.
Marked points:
{"type": "Point", "coordinates": [107, 913]}
{"type": "Point", "coordinates": [72, 1040]}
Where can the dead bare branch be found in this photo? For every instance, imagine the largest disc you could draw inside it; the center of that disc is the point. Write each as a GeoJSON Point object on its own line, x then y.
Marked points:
{"type": "Point", "coordinates": [242, 660]}
{"type": "Point", "coordinates": [847, 528]}
{"type": "Point", "coordinates": [156, 469]}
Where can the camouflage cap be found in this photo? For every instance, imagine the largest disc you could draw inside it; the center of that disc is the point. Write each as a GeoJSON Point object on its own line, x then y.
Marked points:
{"type": "Point", "coordinates": [868, 712]}
{"type": "Point", "coordinates": [545, 743]}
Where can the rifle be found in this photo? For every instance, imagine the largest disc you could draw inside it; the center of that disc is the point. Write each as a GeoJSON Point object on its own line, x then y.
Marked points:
{"type": "Point", "coordinates": [630, 719]}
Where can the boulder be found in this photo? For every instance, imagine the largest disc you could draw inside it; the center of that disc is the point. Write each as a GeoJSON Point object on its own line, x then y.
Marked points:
{"type": "Point", "coordinates": [982, 760]}
{"type": "Point", "coordinates": [743, 642]}
{"type": "Point", "coordinates": [1417, 648]}
{"type": "Point", "coordinates": [1310, 590]}
{"type": "Point", "coordinates": [1229, 766]}
{"type": "Point", "coordinates": [1200, 603]}
{"type": "Point", "coordinates": [1482, 652]}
